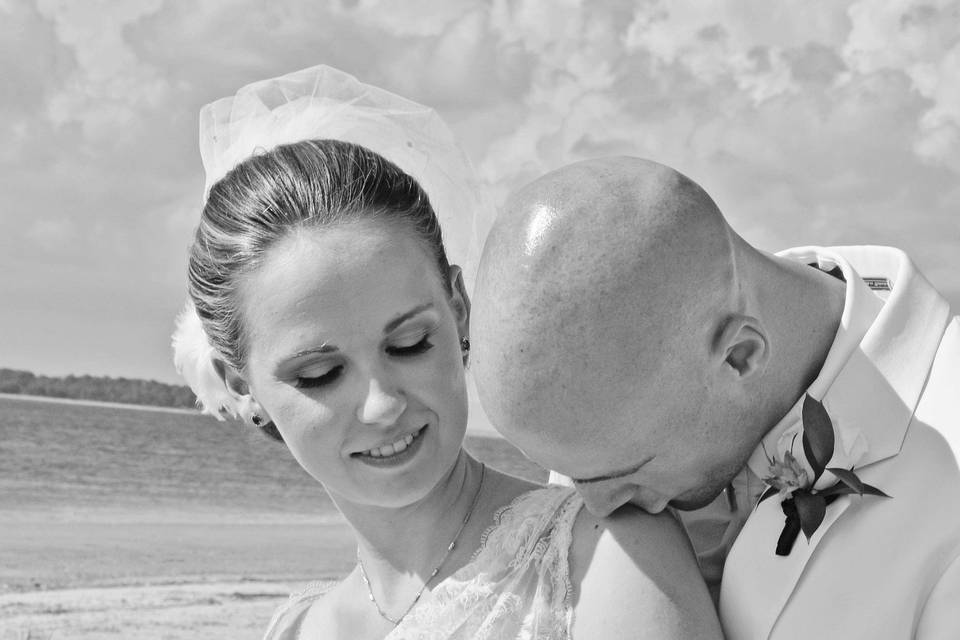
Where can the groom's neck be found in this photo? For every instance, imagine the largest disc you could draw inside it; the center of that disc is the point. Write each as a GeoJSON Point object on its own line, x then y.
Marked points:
{"type": "Point", "coordinates": [802, 308]}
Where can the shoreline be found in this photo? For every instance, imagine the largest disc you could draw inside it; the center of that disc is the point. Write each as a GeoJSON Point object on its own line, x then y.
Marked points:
{"type": "Point", "coordinates": [164, 582]}
{"type": "Point", "coordinates": [472, 431]}
{"type": "Point", "coordinates": [99, 403]}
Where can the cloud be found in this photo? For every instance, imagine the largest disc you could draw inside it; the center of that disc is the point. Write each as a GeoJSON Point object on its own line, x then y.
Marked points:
{"type": "Point", "coordinates": [697, 84]}
{"type": "Point", "coordinates": [921, 40]}
{"type": "Point", "coordinates": [110, 86]}
{"type": "Point", "coordinates": [413, 18]}
{"type": "Point", "coordinates": [50, 235]}
{"type": "Point", "coordinates": [33, 61]}
{"type": "Point", "coordinates": [809, 122]}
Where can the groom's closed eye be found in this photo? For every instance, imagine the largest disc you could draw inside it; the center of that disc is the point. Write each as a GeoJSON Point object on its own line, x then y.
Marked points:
{"type": "Point", "coordinates": [614, 475]}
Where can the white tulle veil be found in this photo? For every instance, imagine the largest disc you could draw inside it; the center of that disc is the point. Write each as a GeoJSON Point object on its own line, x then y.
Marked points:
{"type": "Point", "coordinates": [323, 102]}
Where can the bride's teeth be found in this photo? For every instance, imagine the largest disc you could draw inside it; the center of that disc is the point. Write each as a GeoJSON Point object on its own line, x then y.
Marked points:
{"type": "Point", "coordinates": [393, 449]}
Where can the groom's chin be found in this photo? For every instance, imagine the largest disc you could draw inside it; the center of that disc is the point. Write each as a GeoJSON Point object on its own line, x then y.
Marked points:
{"type": "Point", "coordinates": [696, 499]}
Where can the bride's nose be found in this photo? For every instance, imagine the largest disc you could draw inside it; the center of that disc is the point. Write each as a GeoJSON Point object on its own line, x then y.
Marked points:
{"type": "Point", "coordinates": [382, 403]}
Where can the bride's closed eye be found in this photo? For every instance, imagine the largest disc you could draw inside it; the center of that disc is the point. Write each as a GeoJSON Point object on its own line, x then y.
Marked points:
{"type": "Point", "coordinates": [312, 378]}
{"type": "Point", "coordinates": [405, 350]}
{"type": "Point", "coordinates": [315, 377]}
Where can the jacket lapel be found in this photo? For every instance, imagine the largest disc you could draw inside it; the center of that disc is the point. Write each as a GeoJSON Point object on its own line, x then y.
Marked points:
{"type": "Point", "coordinates": [899, 350]}
{"type": "Point", "coordinates": [875, 392]}
{"type": "Point", "coordinates": [757, 583]}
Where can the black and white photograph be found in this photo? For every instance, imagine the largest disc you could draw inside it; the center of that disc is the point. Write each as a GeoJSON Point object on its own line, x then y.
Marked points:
{"type": "Point", "coordinates": [479, 319]}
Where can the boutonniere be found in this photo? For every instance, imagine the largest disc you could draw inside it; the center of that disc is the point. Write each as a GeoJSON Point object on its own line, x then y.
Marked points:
{"type": "Point", "coordinates": [804, 506]}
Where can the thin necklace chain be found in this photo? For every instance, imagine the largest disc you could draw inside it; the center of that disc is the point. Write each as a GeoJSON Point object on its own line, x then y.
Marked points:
{"type": "Point", "coordinates": [436, 570]}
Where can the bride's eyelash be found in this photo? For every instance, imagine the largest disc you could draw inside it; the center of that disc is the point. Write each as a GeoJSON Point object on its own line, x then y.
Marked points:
{"type": "Point", "coordinates": [331, 376]}
{"type": "Point", "coordinates": [320, 381]}
{"type": "Point", "coordinates": [422, 346]}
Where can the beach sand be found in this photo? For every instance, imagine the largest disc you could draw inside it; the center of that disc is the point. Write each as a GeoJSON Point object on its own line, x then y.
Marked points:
{"type": "Point", "coordinates": [152, 612]}
{"type": "Point", "coordinates": [87, 580]}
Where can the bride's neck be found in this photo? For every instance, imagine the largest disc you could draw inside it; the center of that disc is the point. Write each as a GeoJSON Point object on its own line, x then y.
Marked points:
{"type": "Point", "coordinates": [413, 539]}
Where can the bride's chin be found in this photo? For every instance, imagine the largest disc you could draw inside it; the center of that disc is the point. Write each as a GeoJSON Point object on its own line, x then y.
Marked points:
{"type": "Point", "coordinates": [401, 490]}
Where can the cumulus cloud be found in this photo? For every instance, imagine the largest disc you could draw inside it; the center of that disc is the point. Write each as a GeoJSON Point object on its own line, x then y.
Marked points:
{"type": "Point", "coordinates": [51, 235]}
{"type": "Point", "coordinates": [413, 18]}
{"type": "Point", "coordinates": [922, 41]}
{"type": "Point", "coordinates": [109, 85]}
{"type": "Point", "coordinates": [765, 103]}
{"type": "Point", "coordinates": [809, 122]}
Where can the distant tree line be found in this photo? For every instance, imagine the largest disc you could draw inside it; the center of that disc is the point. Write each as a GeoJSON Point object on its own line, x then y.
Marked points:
{"type": "Point", "coordinates": [106, 389]}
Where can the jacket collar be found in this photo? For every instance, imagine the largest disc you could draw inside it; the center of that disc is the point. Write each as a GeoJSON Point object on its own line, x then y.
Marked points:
{"type": "Point", "coordinates": [877, 366]}
{"type": "Point", "coordinates": [861, 308]}
{"type": "Point", "coordinates": [870, 384]}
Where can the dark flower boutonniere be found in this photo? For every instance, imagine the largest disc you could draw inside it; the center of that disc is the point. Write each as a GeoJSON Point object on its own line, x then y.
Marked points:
{"type": "Point", "coordinates": [804, 506]}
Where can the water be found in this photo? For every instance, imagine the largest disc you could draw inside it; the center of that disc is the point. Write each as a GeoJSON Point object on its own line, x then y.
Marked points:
{"type": "Point", "coordinates": [76, 460]}
{"type": "Point", "coordinates": [107, 495]}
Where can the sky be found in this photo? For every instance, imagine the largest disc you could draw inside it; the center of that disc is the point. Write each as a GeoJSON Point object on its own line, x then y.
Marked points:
{"type": "Point", "coordinates": [809, 123]}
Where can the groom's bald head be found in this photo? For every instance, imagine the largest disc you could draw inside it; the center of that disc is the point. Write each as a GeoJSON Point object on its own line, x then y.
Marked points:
{"type": "Point", "coordinates": [594, 283]}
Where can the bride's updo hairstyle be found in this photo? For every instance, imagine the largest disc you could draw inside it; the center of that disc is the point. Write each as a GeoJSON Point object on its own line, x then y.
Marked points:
{"type": "Point", "coordinates": [312, 149]}
{"type": "Point", "coordinates": [308, 184]}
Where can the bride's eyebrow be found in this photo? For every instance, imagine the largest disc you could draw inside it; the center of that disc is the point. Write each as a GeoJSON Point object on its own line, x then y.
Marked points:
{"type": "Point", "coordinates": [403, 317]}
{"type": "Point", "coordinates": [284, 365]}
{"type": "Point", "coordinates": [324, 348]}
{"type": "Point", "coordinates": [331, 348]}
{"type": "Point", "coordinates": [614, 475]}
{"type": "Point", "coordinates": [289, 360]}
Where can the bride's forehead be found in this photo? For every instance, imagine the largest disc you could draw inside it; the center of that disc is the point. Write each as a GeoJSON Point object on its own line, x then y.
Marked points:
{"type": "Point", "coordinates": [345, 238]}
{"type": "Point", "coordinates": [339, 272]}
{"type": "Point", "coordinates": [345, 253]}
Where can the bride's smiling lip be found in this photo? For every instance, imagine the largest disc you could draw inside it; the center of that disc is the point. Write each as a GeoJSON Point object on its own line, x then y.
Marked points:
{"type": "Point", "coordinates": [405, 438]}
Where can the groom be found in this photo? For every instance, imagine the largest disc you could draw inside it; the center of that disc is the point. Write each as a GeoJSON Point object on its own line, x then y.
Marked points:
{"type": "Point", "coordinates": [625, 336]}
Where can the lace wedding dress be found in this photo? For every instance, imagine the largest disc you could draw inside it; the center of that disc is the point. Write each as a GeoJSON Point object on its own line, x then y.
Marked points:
{"type": "Point", "coordinates": [516, 586]}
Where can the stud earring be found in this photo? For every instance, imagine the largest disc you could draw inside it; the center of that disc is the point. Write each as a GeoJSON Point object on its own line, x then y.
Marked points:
{"type": "Point", "coordinates": [256, 420]}
{"type": "Point", "coordinates": [465, 344]}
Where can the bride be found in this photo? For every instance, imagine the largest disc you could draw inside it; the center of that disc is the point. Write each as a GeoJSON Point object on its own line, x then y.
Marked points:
{"type": "Point", "coordinates": [324, 309]}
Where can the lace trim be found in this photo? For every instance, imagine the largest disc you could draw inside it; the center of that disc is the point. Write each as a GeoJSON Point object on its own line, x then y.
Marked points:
{"type": "Point", "coordinates": [530, 536]}
{"type": "Point", "coordinates": [515, 506]}
{"type": "Point", "coordinates": [312, 591]}
{"type": "Point", "coordinates": [564, 539]}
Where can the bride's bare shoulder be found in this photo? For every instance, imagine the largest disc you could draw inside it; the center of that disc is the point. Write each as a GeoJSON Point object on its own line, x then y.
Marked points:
{"type": "Point", "coordinates": [633, 572]}
{"type": "Point", "coordinates": [320, 610]}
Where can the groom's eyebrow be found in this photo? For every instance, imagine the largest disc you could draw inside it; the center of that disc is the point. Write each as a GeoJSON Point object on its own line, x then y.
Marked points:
{"type": "Point", "coordinates": [614, 475]}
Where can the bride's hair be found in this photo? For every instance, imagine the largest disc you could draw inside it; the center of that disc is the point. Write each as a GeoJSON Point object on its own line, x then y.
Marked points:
{"type": "Point", "coordinates": [315, 147]}
{"type": "Point", "coordinates": [312, 183]}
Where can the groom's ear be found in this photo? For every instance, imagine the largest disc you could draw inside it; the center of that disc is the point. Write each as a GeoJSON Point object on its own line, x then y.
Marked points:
{"type": "Point", "coordinates": [740, 346]}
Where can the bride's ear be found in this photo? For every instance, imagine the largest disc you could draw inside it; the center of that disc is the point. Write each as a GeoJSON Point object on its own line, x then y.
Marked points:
{"type": "Point", "coordinates": [247, 407]}
{"type": "Point", "coordinates": [459, 301]}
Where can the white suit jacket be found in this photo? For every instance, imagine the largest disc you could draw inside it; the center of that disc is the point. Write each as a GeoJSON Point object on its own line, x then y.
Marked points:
{"type": "Point", "coordinates": [876, 568]}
